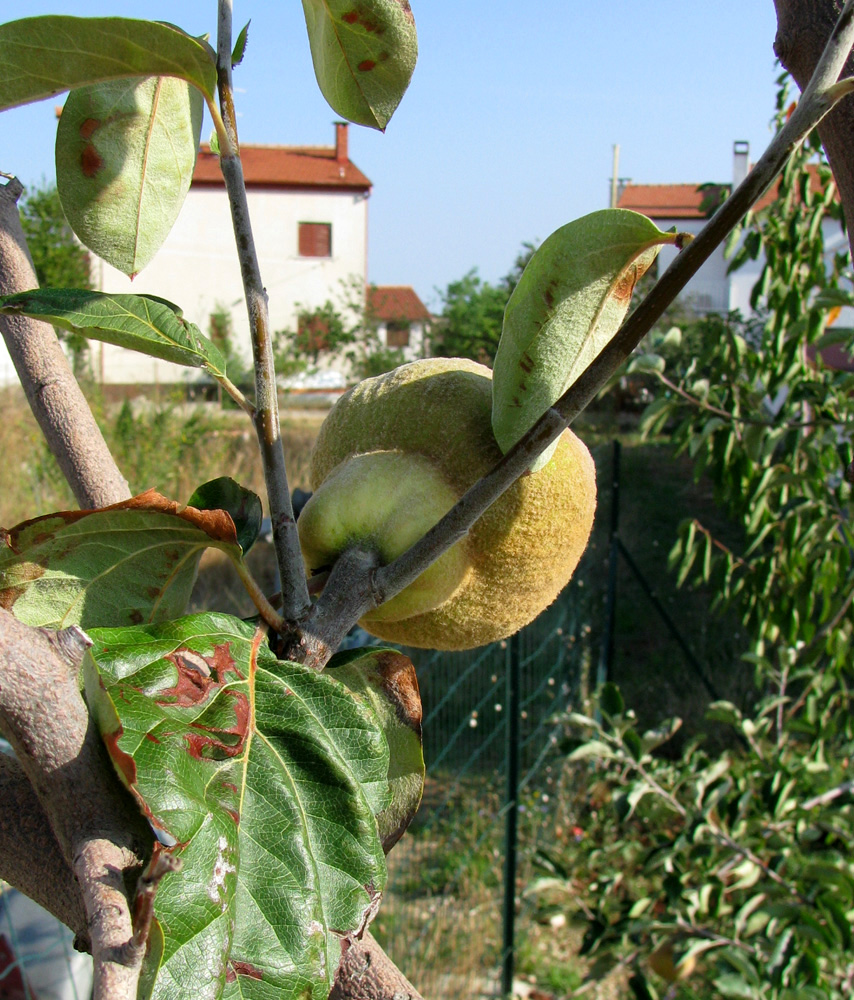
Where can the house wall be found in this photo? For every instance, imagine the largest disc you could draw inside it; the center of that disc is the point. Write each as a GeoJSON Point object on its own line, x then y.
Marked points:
{"type": "Point", "coordinates": [713, 290]}
{"type": "Point", "coordinates": [198, 270]}
{"type": "Point", "coordinates": [416, 347]}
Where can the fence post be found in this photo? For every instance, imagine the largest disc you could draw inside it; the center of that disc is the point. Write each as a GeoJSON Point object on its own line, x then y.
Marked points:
{"type": "Point", "coordinates": [511, 816]}
{"type": "Point", "coordinates": [606, 656]}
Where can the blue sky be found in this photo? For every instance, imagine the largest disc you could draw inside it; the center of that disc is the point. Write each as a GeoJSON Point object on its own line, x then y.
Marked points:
{"type": "Point", "coordinates": [507, 129]}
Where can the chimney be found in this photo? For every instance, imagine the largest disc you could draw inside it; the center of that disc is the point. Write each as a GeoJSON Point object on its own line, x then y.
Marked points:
{"type": "Point", "coordinates": [740, 164]}
{"type": "Point", "coordinates": [341, 142]}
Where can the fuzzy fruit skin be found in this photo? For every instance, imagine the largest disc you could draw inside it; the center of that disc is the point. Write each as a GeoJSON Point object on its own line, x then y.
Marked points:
{"type": "Point", "coordinates": [383, 501]}
{"type": "Point", "coordinates": [523, 550]}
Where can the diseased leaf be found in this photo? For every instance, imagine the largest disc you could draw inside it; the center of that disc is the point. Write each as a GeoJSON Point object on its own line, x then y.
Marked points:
{"type": "Point", "coordinates": [364, 53]}
{"type": "Point", "coordinates": [386, 679]}
{"type": "Point", "coordinates": [125, 153]}
{"type": "Point", "coordinates": [43, 56]}
{"type": "Point", "coordinates": [243, 506]}
{"type": "Point", "coordinates": [570, 301]}
{"type": "Point", "coordinates": [142, 323]}
{"type": "Point", "coordinates": [126, 564]}
{"type": "Point", "coordinates": [266, 776]}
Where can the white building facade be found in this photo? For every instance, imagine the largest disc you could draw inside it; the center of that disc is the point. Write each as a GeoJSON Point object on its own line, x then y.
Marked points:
{"type": "Point", "coordinates": [712, 289]}
{"type": "Point", "coordinates": [309, 211]}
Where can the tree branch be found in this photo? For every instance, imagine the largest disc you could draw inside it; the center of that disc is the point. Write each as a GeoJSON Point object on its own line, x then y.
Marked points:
{"type": "Point", "coordinates": [295, 599]}
{"type": "Point", "coordinates": [803, 28]}
{"type": "Point", "coordinates": [100, 832]}
{"type": "Point", "coordinates": [365, 972]}
{"type": "Point", "coordinates": [30, 858]}
{"type": "Point", "coordinates": [50, 387]}
{"type": "Point", "coordinates": [819, 98]}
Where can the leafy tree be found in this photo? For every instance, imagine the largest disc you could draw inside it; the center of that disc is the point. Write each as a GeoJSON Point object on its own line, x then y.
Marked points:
{"type": "Point", "coordinates": [736, 870]}
{"type": "Point", "coordinates": [224, 747]}
{"type": "Point", "coordinates": [59, 258]}
{"type": "Point", "coordinates": [473, 313]}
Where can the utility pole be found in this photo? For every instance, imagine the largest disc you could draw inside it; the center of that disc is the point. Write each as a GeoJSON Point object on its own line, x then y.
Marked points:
{"type": "Point", "coordinates": [615, 171]}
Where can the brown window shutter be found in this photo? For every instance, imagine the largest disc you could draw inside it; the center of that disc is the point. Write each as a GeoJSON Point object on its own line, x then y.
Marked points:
{"type": "Point", "coordinates": [315, 239]}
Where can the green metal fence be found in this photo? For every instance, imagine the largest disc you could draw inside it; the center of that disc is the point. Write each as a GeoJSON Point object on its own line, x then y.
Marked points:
{"type": "Point", "coordinates": [491, 729]}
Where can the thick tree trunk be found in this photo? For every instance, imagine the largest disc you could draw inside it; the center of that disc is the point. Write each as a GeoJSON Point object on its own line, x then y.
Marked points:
{"type": "Point", "coordinates": [803, 27]}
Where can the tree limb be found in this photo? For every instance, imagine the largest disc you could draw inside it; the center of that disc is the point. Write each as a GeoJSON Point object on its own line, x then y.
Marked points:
{"type": "Point", "coordinates": [803, 28]}
{"type": "Point", "coordinates": [30, 858]}
{"type": "Point", "coordinates": [365, 972]}
{"type": "Point", "coordinates": [48, 382]}
{"type": "Point", "coordinates": [100, 832]}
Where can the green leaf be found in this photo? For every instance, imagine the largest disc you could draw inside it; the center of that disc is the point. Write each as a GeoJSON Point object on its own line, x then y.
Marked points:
{"type": "Point", "coordinates": [43, 56]}
{"type": "Point", "coordinates": [610, 700]}
{"type": "Point", "coordinates": [125, 153]}
{"type": "Point", "coordinates": [364, 52]}
{"type": "Point", "coordinates": [632, 742]}
{"type": "Point", "coordinates": [142, 323]}
{"type": "Point", "coordinates": [242, 505]}
{"type": "Point", "coordinates": [239, 50]}
{"type": "Point", "coordinates": [126, 564]}
{"type": "Point", "coordinates": [386, 680]}
{"type": "Point", "coordinates": [593, 748]}
{"type": "Point", "coordinates": [265, 776]}
{"type": "Point", "coordinates": [647, 364]}
{"type": "Point", "coordinates": [570, 301]}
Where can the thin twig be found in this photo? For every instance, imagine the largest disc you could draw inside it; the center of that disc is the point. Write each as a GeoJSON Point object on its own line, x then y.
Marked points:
{"type": "Point", "coordinates": [733, 418]}
{"type": "Point", "coordinates": [817, 100]}
{"type": "Point", "coordinates": [161, 864]}
{"type": "Point", "coordinates": [295, 599]}
{"type": "Point", "coordinates": [829, 796]}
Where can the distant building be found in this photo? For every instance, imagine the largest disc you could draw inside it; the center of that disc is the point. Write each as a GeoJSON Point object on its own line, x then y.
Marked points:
{"type": "Point", "coordinates": [401, 319]}
{"type": "Point", "coordinates": [309, 211]}
{"type": "Point", "coordinates": [712, 289]}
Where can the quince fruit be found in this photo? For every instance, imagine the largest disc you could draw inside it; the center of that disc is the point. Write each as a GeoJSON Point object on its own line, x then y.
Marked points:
{"type": "Point", "coordinates": [393, 456]}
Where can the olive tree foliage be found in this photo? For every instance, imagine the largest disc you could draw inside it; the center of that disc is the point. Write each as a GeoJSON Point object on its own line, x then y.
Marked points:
{"type": "Point", "coordinates": [472, 316]}
{"type": "Point", "coordinates": [733, 871]}
{"type": "Point", "coordinates": [211, 813]}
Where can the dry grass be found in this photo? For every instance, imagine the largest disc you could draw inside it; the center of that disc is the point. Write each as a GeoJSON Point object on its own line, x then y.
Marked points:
{"type": "Point", "coordinates": [173, 448]}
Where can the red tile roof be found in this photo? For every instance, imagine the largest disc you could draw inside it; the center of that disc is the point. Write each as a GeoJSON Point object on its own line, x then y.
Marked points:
{"type": "Point", "coordinates": [663, 201]}
{"type": "Point", "coordinates": [682, 201]}
{"type": "Point", "coordinates": [396, 303]}
{"type": "Point", "coordinates": [286, 167]}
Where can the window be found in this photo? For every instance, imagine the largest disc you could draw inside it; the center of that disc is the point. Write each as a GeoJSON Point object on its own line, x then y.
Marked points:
{"type": "Point", "coordinates": [315, 239]}
{"type": "Point", "coordinates": [396, 334]}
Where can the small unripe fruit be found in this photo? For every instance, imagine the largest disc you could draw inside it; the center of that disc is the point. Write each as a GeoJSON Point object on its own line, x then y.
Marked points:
{"type": "Point", "coordinates": [383, 501]}
{"type": "Point", "coordinates": [394, 454]}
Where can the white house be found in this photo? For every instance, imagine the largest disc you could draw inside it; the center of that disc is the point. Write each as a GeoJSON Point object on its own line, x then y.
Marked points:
{"type": "Point", "coordinates": [309, 210]}
{"type": "Point", "coordinates": [401, 319]}
{"type": "Point", "coordinates": [712, 289]}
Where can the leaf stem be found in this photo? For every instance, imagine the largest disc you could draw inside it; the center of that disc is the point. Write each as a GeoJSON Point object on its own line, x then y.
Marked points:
{"type": "Point", "coordinates": [295, 599]}
{"type": "Point", "coordinates": [265, 608]}
{"type": "Point", "coordinates": [235, 393]}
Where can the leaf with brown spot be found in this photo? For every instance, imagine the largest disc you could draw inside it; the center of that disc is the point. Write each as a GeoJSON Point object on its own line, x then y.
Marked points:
{"type": "Point", "coordinates": [125, 153]}
{"type": "Point", "coordinates": [570, 301]}
{"type": "Point", "coordinates": [44, 56]}
{"type": "Point", "coordinates": [386, 679]}
{"type": "Point", "coordinates": [130, 563]}
{"type": "Point", "coordinates": [267, 778]}
{"type": "Point", "coordinates": [364, 53]}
